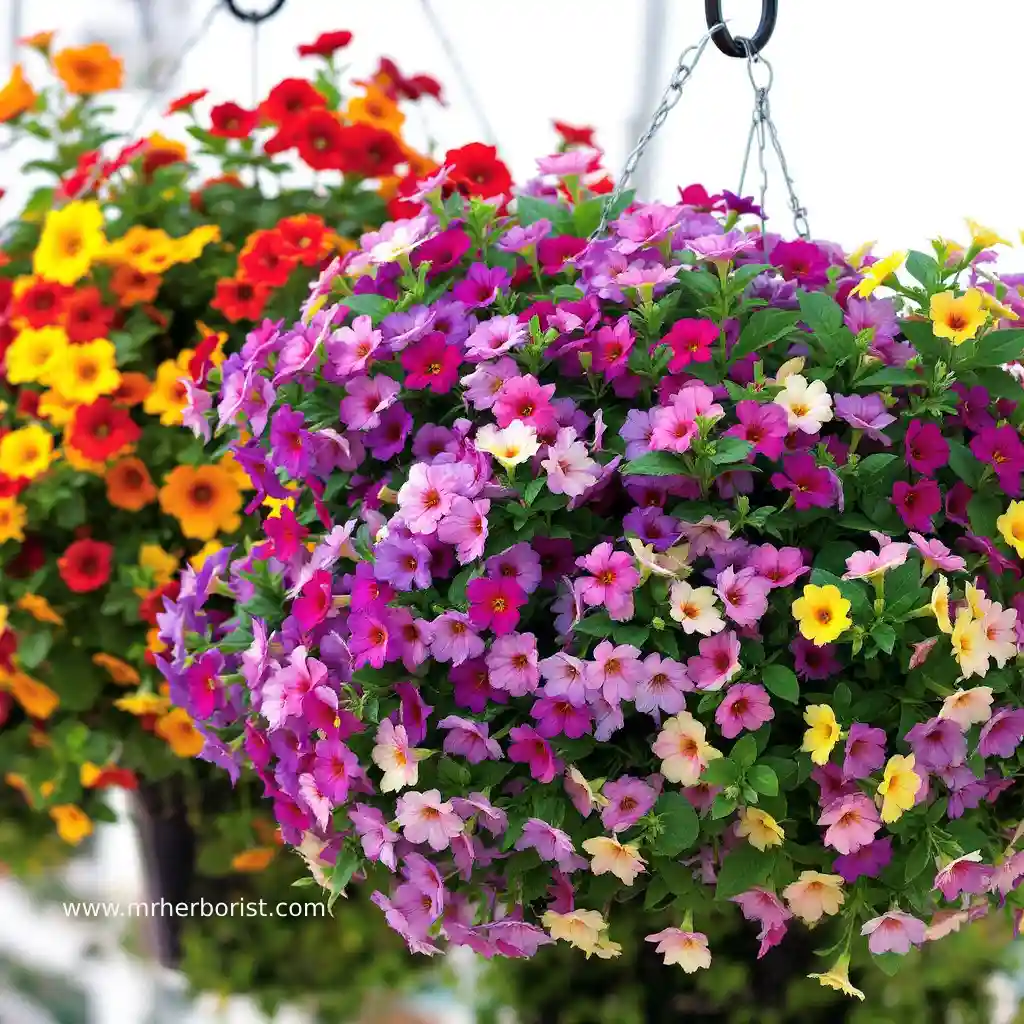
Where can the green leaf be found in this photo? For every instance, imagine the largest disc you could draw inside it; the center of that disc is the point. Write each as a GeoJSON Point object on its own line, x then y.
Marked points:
{"type": "Point", "coordinates": [376, 307]}
{"type": "Point", "coordinates": [679, 822]}
{"type": "Point", "coordinates": [744, 751]}
{"type": "Point", "coordinates": [903, 587]}
{"type": "Point", "coordinates": [763, 779]}
{"type": "Point", "coordinates": [721, 771]}
{"type": "Point", "coordinates": [731, 449]}
{"type": "Point", "coordinates": [532, 210]}
{"type": "Point", "coordinates": [854, 593]}
{"type": "Point", "coordinates": [722, 806]}
{"type": "Point", "coordinates": [997, 347]}
{"type": "Point", "coordinates": [820, 312]}
{"type": "Point", "coordinates": [917, 860]}
{"type": "Point", "coordinates": [889, 963]}
{"type": "Point", "coordinates": [741, 870]}
{"type": "Point", "coordinates": [598, 624]}
{"type": "Point", "coordinates": [923, 268]}
{"type": "Point", "coordinates": [656, 464]}
{"type": "Point", "coordinates": [964, 464]}
{"type": "Point", "coordinates": [33, 647]}
{"type": "Point", "coordinates": [891, 376]}
{"type": "Point", "coordinates": [982, 511]}
{"type": "Point", "coordinates": [763, 328]}
{"type": "Point", "coordinates": [454, 777]}
{"type": "Point", "coordinates": [782, 682]}
{"type": "Point", "coordinates": [885, 636]}
{"type": "Point", "coordinates": [533, 488]}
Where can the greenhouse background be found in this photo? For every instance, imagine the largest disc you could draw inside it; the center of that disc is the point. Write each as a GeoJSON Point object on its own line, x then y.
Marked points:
{"type": "Point", "coordinates": [897, 121]}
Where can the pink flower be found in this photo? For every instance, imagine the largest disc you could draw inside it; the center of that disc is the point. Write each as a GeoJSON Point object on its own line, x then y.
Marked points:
{"type": "Point", "coordinates": [865, 565]}
{"type": "Point", "coordinates": [717, 663]}
{"type": "Point", "coordinates": [512, 664]}
{"type": "Point", "coordinates": [765, 426]}
{"type": "Point", "coordinates": [557, 716]}
{"type": "Point", "coordinates": [572, 163]}
{"type": "Point", "coordinates": [469, 739]}
{"type": "Point", "coordinates": [425, 818]}
{"type": "Point", "coordinates": [782, 567]}
{"type": "Point", "coordinates": [746, 706]}
{"type": "Point", "coordinates": [663, 686]}
{"type": "Point", "coordinates": [453, 639]}
{"type": "Point", "coordinates": [429, 493]}
{"type": "Point", "coordinates": [314, 799]}
{"type": "Point", "coordinates": [495, 603]}
{"type": "Point", "coordinates": [530, 748]}
{"type": "Point", "coordinates": [524, 398]}
{"type": "Point", "coordinates": [369, 639]}
{"type": "Point", "coordinates": [310, 608]}
{"type": "Point", "coordinates": [762, 906]}
{"type": "Point", "coordinates": [564, 676]}
{"type": "Point", "coordinates": [612, 346]}
{"type": "Point", "coordinates": [367, 398]}
{"type": "Point", "coordinates": [852, 823]}
{"type": "Point", "coordinates": [936, 555]}
{"type": "Point", "coordinates": [687, 949]}
{"type": "Point", "coordinates": [964, 875]}
{"type": "Point", "coordinates": [676, 426]}
{"type": "Point", "coordinates": [484, 384]}
{"type": "Point", "coordinates": [744, 594]}
{"type": "Point", "coordinates": [377, 840]}
{"type": "Point", "coordinates": [917, 503]}
{"type": "Point", "coordinates": [350, 349]}
{"type": "Point", "coordinates": [894, 932]}
{"type": "Point", "coordinates": [495, 337]}
{"type": "Point", "coordinates": [616, 671]}
{"type": "Point", "coordinates": [629, 800]}
{"type": "Point", "coordinates": [611, 583]}
{"type": "Point", "coordinates": [570, 469]}
{"type": "Point", "coordinates": [690, 341]}
{"type": "Point", "coordinates": [465, 527]}
{"type": "Point", "coordinates": [551, 844]}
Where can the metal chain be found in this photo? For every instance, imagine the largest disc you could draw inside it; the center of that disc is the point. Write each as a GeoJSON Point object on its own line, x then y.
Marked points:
{"type": "Point", "coordinates": [684, 69]}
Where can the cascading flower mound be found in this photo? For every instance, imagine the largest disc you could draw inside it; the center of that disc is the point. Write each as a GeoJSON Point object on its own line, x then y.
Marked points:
{"type": "Point", "coordinates": [676, 566]}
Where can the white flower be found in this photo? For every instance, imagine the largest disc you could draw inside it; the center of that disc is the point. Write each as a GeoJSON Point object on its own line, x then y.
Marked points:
{"type": "Point", "coordinates": [694, 608]}
{"type": "Point", "coordinates": [511, 446]}
{"type": "Point", "coordinates": [808, 405]}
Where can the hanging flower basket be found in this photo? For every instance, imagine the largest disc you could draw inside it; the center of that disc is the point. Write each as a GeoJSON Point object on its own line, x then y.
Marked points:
{"type": "Point", "coordinates": [678, 566]}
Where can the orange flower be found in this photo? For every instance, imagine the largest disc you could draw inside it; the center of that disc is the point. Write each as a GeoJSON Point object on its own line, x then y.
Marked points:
{"type": "Point", "coordinates": [180, 733]}
{"type": "Point", "coordinates": [375, 108]}
{"type": "Point", "coordinates": [73, 824]}
{"type": "Point", "coordinates": [38, 41]}
{"type": "Point", "coordinates": [131, 286]}
{"type": "Point", "coordinates": [256, 859]}
{"type": "Point", "coordinates": [129, 485]}
{"type": "Point", "coordinates": [120, 671]}
{"type": "Point", "coordinates": [39, 608]}
{"type": "Point", "coordinates": [85, 70]}
{"type": "Point", "coordinates": [135, 388]}
{"type": "Point", "coordinates": [16, 96]}
{"type": "Point", "coordinates": [38, 700]}
{"type": "Point", "coordinates": [204, 500]}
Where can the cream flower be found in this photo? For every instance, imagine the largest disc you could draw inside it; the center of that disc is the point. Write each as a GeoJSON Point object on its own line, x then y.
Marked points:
{"type": "Point", "coordinates": [807, 403]}
{"type": "Point", "coordinates": [694, 609]}
{"type": "Point", "coordinates": [759, 828]}
{"type": "Point", "coordinates": [968, 707]}
{"type": "Point", "coordinates": [683, 749]}
{"type": "Point", "coordinates": [580, 928]}
{"type": "Point", "coordinates": [814, 895]}
{"type": "Point", "coordinates": [511, 446]}
{"type": "Point", "coordinates": [608, 855]}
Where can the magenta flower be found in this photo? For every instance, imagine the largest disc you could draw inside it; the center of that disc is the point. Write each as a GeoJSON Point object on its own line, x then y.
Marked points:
{"type": "Point", "coordinates": [432, 362]}
{"type": "Point", "coordinates": [465, 527]}
{"type": "Point", "coordinates": [469, 739]}
{"type": "Point", "coordinates": [454, 639]}
{"type": "Point", "coordinates": [938, 744]}
{"type": "Point", "coordinates": [852, 823]}
{"type": "Point", "coordinates": [530, 748]}
{"type": "Point", "coordinates": [284, 692]}
{"type": "Point", "coordinates": [663, 686]}
{"type": "Point", "coordinates": [973, 408]}
{"type": "Point", "coordinates": [495, 603]}
{"type": "Point", "coordinates": [426, 818]}
{"type": "Point", "coordinates": [629, 799]}
{"type": "Point", "coordinates": [313, 604]}
{"type": "Point", "coordinates": [936, 555]}
{"type": "Point", "coordinates": [867, 862]}
{"type": "Point", "coordinates": [762, 906]}
{"type": "Point", "coordinates": [894, 932]}
{"type": "Point", "coordinates": [524, 398]}
{"type": "Point", "coordinates": [809, 485]}
{"type": "Point", "coordinates": [717, 663]}
{"type": "Point", "coordinates": [558, 716]}
{"type": "Point", "coordinates": [764, 425]}
{"type": "Point", "coordinates": [334, 768]}
{"type": "Point", "coordinates": [1002, 733]}
{"type": "Point", "coordinates": [676, 426]}
{"type": "Point", "coordinates": [551, 844]}
{"type": "Point", "coordinates": [781, 567]}
{"type": "Point", "coordinates": [1001, 448]}
{"type": "Point", "coordinates": [691, 342]}
{"type": "Point", "coordinates": [813, 662]}
{"type": "Point", "coordinates": [367, 398]}
{"type": "Point", "coordinates": [615, 671]}
{"type": "Point", "coordinates": [413, 712]}
{"type": "Point", "coordinates": [917, 503]}
{"type": "Point", "coordinates": [376, 839]}
{"type": "Point", "coordinates": [369, 638]}
{"type": "Point", "coordinates": [205, 689]}
{"type": "Point", "coordinates": [611, 348]}
{"type": "Point", "coordinates": [744, 594]}
{"type": "Point", "coordinates": [801, 261]}
{"type": "Point", "coordinates": [480, 286]}
{"type": "Point", "coordinates": [926, 450]}
{"type": "Point", "coordinates": [613, 577]}
{"type": "Point", "coordinates": [512, 664]}
{"type": "Point", "coordinates": [964, 875]}
{"type": "Point", "coordinates": [865, 751]}
{"type": "Point", "coordinates": [746, 706]}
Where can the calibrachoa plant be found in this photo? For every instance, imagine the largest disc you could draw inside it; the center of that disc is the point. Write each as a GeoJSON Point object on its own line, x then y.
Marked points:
{"type": "Point", "coordinates": [108, 281]}
{"type": "Point", "coordinates": [679, 566]}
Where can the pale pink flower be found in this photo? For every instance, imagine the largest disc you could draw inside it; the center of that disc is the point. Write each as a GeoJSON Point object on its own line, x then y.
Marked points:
{"type": "Point", "coordinates": [565, 676]}
{"type": "Point", "coordinates": [707, 536]}
{"type": "Point", "coordinates": [683, 749]}
{"type": "Point", "coordinates": [866, 565]}
{"type": "Point", "coordinates": [814, 896]}
{"type": "Point", "coordinates": [512, 664]}
{"type": "Point", "coordinates": [968, 707]}
{"type": "Point", "coordinates": [894, 932]}
{"type": "Point", "coordinates": [615, 670]}
{"type": "Point", "coordinates": [687, 949]}
{"type": "Point", "coordinates": [465, 527]}
{"type": "Point", "coordinates": [366, 398]}
{"type": "Point", "coordinates": [744, 594]}
{"type": "Point", "coordinates": [350, 349]}
{"type": "Point", "coordinates": [394, 756]}
{"type": "Point", "coordinates": [571, 471]}
{"type": "Point", "coordinates": [429, 493]}
{"type": "Point", "coordinates": [425, 818]}
{"type": "Point", "coordinates": [936, 555]}
{"type": "Point", "coordinates": [574, 162]}
{"type": "Point", "coordinates": [852, 823]}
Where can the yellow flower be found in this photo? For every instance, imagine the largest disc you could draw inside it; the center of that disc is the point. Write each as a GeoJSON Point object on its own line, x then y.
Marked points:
{"type": "Point", "coordinates": [608, 855]}
{"type": "Point", "coordinates": [34, 353]}
{"type": "Point", "coordinates": [204, 500]}
{"type": "Point", "coordinates": [39, 608]}
{"type": "Point", "coordinates": [957, 318]}
{"type": "Point", "coordinates": [511, 446]}
{"type": "Point", "coordinates": [256, 859]}
{"type": "Point", "coordinates": [939, 604]}
{"type": "Point", "coordinates": [38, 700]}
{"type": "Point", "coordinates": [996, 308]}
{"type": "Point", "coordinates": [983, 237]}
{"type": "Point", "coordinates": [970, 644]}
{"type": "Point", "coordinates": [180, 733]}
{"type": "Point", "coordinates": [143, 249]}
{"type": "Point", "coordinates": [838, 977]}
{"type": "Point", "coordinates": [59, 411]}
{"type": "Point", "coordinates": [168, 397]}
{"type": "Point", "coordinates": [161, 564]}
{"type": "Point", "coordinates": [898, 787]}
{"type": "Point", "coordinates": [823, 613]}
{"type": "Point", "coordinates": [4, 611]}
{"type": "Point", "coordinates": [191, 246]}
{"type": "Point", "coordinates": [234, 469]}
{"type": "Point", "coordinates": [119, 671]}
{"type": "Point", "coordinates": [72, 238]}
{"type": "Point", "coordinates": [759, 828]}
{"type": "Point", "coordinates": [877, 273]}
{"type": "Point", "coordinates": [82, 373]}
{"type": "Point", "coordinates": [12, 522]}
{"type": "Point", "coordinates": [580, 928]}
{"type": "Point", "coordinates": [823, 732]}
{"type": "Point", "coordinates": [73, 824]}
{"type": "Point", "coordinates": [1011, 526]}
{"type": "Point", "coordinates": [856, 258]}
{"type": "Point", "coordinates": [142, 703]}
{"type": "Point", "coordinates": [26, 452]}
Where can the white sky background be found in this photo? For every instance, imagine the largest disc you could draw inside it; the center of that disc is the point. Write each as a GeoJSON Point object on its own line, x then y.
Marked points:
{"type": "Point", "coordinates": [897, 116]}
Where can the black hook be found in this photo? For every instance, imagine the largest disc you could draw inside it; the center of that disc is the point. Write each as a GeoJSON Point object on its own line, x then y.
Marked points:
{"type": "Point", "coordinates": [254, 17]}
{"type": "Point", "coordinates": [723, 38]}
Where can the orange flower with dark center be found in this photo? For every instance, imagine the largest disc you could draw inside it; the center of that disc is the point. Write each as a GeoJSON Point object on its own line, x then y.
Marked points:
{"type": "Point", "coordinates": [239, 299]}
{"type": "Point", "coordinates": [129, 485]}
{"type": "Point", "coordinates": [230, 121]}
{"type": "Point", "coordinates": [131, 286]}
{"type": "Point", "coordinates": [290, 98]}
{"type": "Point", "coordinates": [85, 70]}
{"type": "Point", "coordinates": [85, 316]}
{"type": "Point", "coordinates": [204, 500]}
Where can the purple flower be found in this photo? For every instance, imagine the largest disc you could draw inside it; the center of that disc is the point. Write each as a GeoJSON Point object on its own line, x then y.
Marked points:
{"type": "Point", "coordinates": [813, 662]}
{"type": "Point", "coordinates": [518, 564]}
{"type": "Point", "coordinates": [938, 744]}
{"type": "Point", "coordinates": [662, 687]}
{"type": "Point", "coordinates": [1002, 733]}
{"type": "Point", "coordinates": [629, 799]}
{"type": "Point", "coordinates": [867, 413]}
{"type": "Point", "coordinates": [403, 561]}
{"type": "Point", "coordinates": [512, 664]}
{"type": "Point", "coordinates": [551, 844]}
{"type": "Point", "coordinates": [558, 716]}
{"type": "Point", "coordinates": [964, 875]}
{"type": "Point", "coordinates": [722, 248]}
{"type": "Point", "coordinates": [636, 432]}
{"type": "Point", "coordinates": [403, 328]}
{"type": "Point", "coordinates": [867, 862]}
{"type": "Point", "coordinates": [454, 639]}
{"type": "Point", "coordinates": [469, 739]}
{"type": "Point", "coordinates": [877, 316]}
{"type": "Point", "coordinates": [522, 239]}
{"type": "Point", "coordinates": [966, 790]}
{"type": "Point", "coordinates": [865, 751]}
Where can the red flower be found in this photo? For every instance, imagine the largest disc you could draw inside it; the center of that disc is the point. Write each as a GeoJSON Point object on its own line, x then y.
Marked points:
{"type": "Point", "coordinates": [201, 363]}
{"type": "Point", "coordinates": [326, 44]}
{"type": "Point", "coordinates": [418, 86]}
{"type": "Point", "coordinates": [477, 171]}
{"type": "Point", "coordinates": [85, 566]}
{"type": "Point", "coordinates": [574, 136]}
{"type": "Point", "coordinates": [230, 121]}
{"type": "Point", "coordinates": [100, 430]}
{"type": "Point", "coordinates": [399, 207]}
{"type": "Point", "coordinates": [6, 700]}
{"type": "Point", "coordinates": [239, 299]}
{"type": "Point", "coordinates": [41, 303]}
{"type": "Point", "coordinates": [8, 648]}
{"type": "Point", "coordinates": [698, 196]}
{"type": "Point", "coordinates": [395, 85]}
{"type": "Point", "coordinates": [318, 134]}
{"type": "Point", "coordinates": [305, 235]}
{"type": "Point", "coordinates": [90, 171]}
{"type": "Point", "coordinates": [291, 98]}
{"type": "Point", "coordinates": [85, 316]}
{"type": "Point", "coordinates": [368, 151]}
{"type": "Point", "coordinates": [269, 260]}
{"type": "Point", "coordinates": [27, 404]}
{"type": "Point", "coordinates": [114, 776]}
{"type": "Point", "coordinates": [185, 102]}
{"type": "Point", "coordinates": [153, 603]}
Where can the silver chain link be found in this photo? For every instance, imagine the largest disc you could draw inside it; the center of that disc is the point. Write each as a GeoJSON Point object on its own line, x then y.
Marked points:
{"type": "Point", "coordinates": [684, 69]}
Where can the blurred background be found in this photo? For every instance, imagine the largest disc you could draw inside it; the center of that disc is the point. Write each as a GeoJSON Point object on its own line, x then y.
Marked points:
{"type": "Point", "coordinates": [897, 122]}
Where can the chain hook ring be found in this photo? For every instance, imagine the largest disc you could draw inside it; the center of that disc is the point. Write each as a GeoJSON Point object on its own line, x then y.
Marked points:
{"type": "Point", "coordinates": [254, 17]}
{"type": "Point", "coordinates": [723, 38]}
